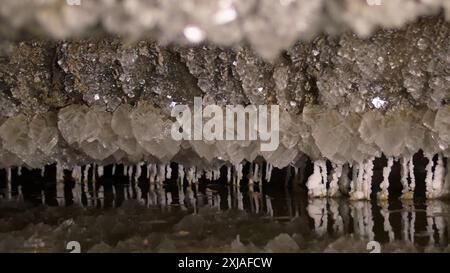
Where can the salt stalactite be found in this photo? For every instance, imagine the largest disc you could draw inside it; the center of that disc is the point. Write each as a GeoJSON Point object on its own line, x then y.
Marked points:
{"type": "Point", "coordinates": [354, 178]}
{"type": "Point", "coordinates": [446, 189]}
{"type": "Point", "coordinates": [168, 171]}
{"type": "Point", "coordinates": [43, 171]}
{"type": "Point", "coordinates": [136, 187]}
{"type": "Point", "coordinates": [216, 174]}
{"type": "Point", "coordinates": [208, 175]}
{"type": "Point", "coordinates": [360, 179]}
{"type": "Point", "coordinates": [338, 223]}
{"type": "Point", "coordinates": [323, 170]}
{"type": "Point", "coordinates": [153, 173]}
{"type": "Point", "coordinates": [250, 175]}
{"type": "Point", "coordinates": [94, 184]}
{"type": "Point", "coordinates": [94, 173]}
{"type": "Point", "coordinates": [86, 185]}
{"type": "Point", "coordinates": [130, 181]}
{"type": "Point", "coordinates": [130, 173]}
{"type": "Point", "coordinates": [239, 168]}
{"type": "Point", "coordinates": [114, 169]}
{"type": "Point", "coordinates": [180, 175]}
{"type": "Point", "coordinates": [256, 176]}
{"type": "Point", "coordinates": [317, 210]}
{"type": "Point", "coordinates": [228, 174]}
{"type": "Point", "coordinates": [315, 183]}
{"type": "Point", "coordinates": [100, 171]}
{"type": "Point", "coordinates": [384, 211]}
{"type": "Point", "coordinates": [407, 194]}
{"type": "Point", "coordinates": [8, 185]}
{"type": "Point", "coordinates": [438, 179]}
{"type": "Point", "coordinates": [368, 173]}
{"type": "Point", "coordinates": [191, 175]}
{"type": "Point", "coordinates": [125, 170]}
{"type": "Point", "coordinates": [198, 175]}
{"type": "Point", "coordinates": [161, 177]}
{"type": "Point", "coordinates": [383, 194]}
{"type": "Point", "coordinates": [60, 184]}
{"type": "Point", "coordinates": [100, 190]}
{"type": "Point", "coordinates": [357, 192]}
{"type": "Point", "coordinates": [76, 190]}
{"type": "Point", "coordinates": [344, 181]}
{"type": "Point", "coordinates": [148, 171]}
{"type": "Point", "coordinates": [269, 168]}
{"type": "Point", "coordinates": [19, 171]}
{"type": "Point", "coordinates": [138, 172]}
{"type": "Point", "coordinates": [412, 176]}
{"type": "Point", "coordinates": [334, 186]}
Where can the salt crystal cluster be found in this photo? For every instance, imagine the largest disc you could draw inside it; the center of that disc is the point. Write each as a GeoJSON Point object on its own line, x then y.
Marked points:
{"type": "Point", "coordinates": [269, 26]}
{"type": "Point", "coordinates": [80, 135]}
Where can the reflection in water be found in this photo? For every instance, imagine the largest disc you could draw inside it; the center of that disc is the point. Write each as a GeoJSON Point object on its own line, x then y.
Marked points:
{"type": "Point", "coordinates": [384, 211]}
{"type": "Point", "coordinates": [419, 223]}
{"type": "Point", "coordinates": [368, 220]}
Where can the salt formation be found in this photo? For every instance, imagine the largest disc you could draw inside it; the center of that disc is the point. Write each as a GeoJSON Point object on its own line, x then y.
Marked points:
{"type": "Point", "coordinates": [77, 190]}
{"type": "Point", "coordinates": [384, 186]}
{"type": "Point", "coordinates": [349, 96]}
{"type": "Point", "coordinates": [317, 181]}
{"type": "Point", "coordinates": [60, 185]}
{"type": "Point", "coordinates": [99, 145]}
{"type": "Point", "coordinates": [90, 132]}
{"type": "Point", "coordinates": [435, 177]}
{"type": "Point", "coordinates": [268, 26]}
{"type": "Point", "coordinates": [334, 186]}
{"type": "Point", "coordinates": [408, 178]}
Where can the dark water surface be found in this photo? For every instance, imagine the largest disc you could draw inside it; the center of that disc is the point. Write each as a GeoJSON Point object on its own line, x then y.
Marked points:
{"type": "Point", "coordinates": [213, 217]}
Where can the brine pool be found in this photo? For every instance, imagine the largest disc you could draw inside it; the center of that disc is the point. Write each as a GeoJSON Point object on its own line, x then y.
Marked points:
{"type": "Point", "coordinates": [212, 217]}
